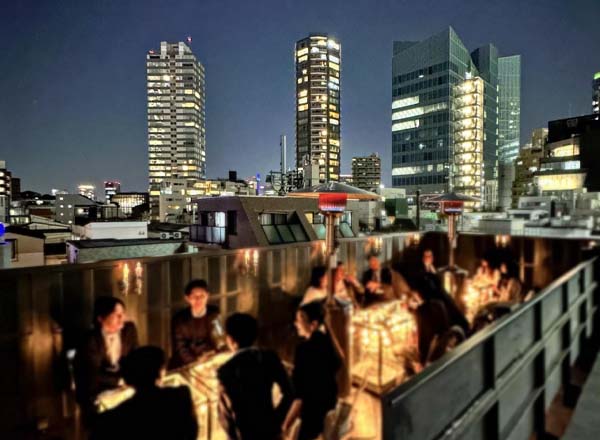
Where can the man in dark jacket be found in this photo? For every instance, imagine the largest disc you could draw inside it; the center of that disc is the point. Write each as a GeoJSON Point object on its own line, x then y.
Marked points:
{"type": "Point", "coordinates": [152, 412]}
{"type": "Point", "coordinates": [98, 359]}
{"type": "Point", "coordinates": [374, 279]}
{"type": "Point", "coordinates": [246, 407]}
{"type": "Point", "coordinates": [193, 328]}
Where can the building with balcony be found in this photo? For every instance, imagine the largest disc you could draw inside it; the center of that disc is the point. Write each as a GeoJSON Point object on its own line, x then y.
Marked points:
{"type": "Point", "coordinates": [526, 164]}
{"type": "Point", "coordinates": [424, 75]}
{"type": "Point", "coordinates": [318, 67]}
{"type": "Point", "coordinates": [5, 192]}
{"type": "Point", "coordinates": [366, 172]}
{"type": "Point", "coordinates": [176, 117]}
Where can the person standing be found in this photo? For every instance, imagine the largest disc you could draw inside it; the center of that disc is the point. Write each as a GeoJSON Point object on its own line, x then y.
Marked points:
{"type": "Point", "coordinates": [193, 328]}
{"type": "Point", "coordinates": [246, 407]}
{"type": "Point", "coordinates": [315, 366]}
{"type": "Point", "coordinates": [97, 363]}
{"type": "Point", "coordinates": [153, 411]}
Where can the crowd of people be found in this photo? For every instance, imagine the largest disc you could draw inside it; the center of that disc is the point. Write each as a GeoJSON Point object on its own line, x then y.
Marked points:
{"type": "Point", "coordinates": [109, 355]}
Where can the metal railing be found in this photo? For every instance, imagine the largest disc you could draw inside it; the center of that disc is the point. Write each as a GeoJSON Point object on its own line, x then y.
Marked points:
{"type": "Point", "coordinates": [500, 382]}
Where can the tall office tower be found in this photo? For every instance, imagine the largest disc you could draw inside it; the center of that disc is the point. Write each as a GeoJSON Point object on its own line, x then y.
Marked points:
{"type": "Point", "coordinates": [111, 187]}
{"type": "Point", "coordinates": [486, 60]}
{"type": "Point", "coordinates": [5, 192]}
{"type": "Point", "coordinates": [469, 134]}
{"type": "Point", "coordinates": [366, 172]}
{"type": "Point", "coordinates": [318, 63]}
{"type": "Point", "coordinates": [509, 125]}
{"type": "Point", "coordinates": [87, 190]}
{"type": "Point", "coordinates": [176, 118]}
{"type": "Point", "coordinates": [423, 78]}
{"type": "Point", "coordinates": [509, 103]}
{"type": "Point", "coordinates": [596, 94]}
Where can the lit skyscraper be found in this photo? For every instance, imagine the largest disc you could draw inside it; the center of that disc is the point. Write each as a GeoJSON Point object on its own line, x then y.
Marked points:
{"type": "Point", "coordinates": [424, 75]}
{"type": "Point", "coordinates": [596, 93]}
{"type": "Point", "coordinates": [509, 118]}
{"type": "Point", "coordinates": [318, 64]}
{"type": "Point", "coordinates": [176, 118]}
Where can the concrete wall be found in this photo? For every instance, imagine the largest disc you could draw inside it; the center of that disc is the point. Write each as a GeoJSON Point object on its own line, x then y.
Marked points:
{"type": "Point", "coordinates": [89, 255]}
{"type": "Point", "coordinates": [117, 230]}
{"type": "Point", "coordinates": [30, 250]}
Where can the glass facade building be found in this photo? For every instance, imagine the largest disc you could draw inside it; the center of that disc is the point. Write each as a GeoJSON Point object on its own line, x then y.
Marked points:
{"type": "Point", "coordinates": [596, 94]}
{"type": "Point", "coordinates": [424, 76]}
{"type": "Point", "coordinates": [176, 117]}
{"type": "Point", "coordinates": [318, 65]}
{"type": "Point", "coordinates": [509, 118]}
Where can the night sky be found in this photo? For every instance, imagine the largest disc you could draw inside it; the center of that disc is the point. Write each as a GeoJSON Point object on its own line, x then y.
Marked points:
{"type": "Point", "coordinates": [73, 90]}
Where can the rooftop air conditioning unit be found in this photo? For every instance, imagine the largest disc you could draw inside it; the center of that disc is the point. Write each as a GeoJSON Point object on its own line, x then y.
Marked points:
{"type": "Point", "coordinates": [177, 234]}
{"type": "Point", "coordinates": [165, 235]}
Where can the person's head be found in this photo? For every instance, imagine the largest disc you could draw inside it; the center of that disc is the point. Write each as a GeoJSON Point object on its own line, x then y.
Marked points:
{"type": "Point", "coordinates": [196, 295]}
{"type": "Point", "coordinates": [509, 269]}
{"type": "Point", "coordinates": [308, 318]}
{"type": "Point", "coordinates": [241, 331]}
{"type": "Point", "coordinates": [318, 277]}
{"type": "Point", "coordinates": [374, 262]}
{"type": "Point", "coordinates": [340, 271]}
{"type": "Point", "coordinates": [485, 265]}
{"type": "Point", "coordinates": [143, 367]}
{"type": "Point", "coordinates": [427, 256]}
{"type": "Point", "coordinates": [109, 314]}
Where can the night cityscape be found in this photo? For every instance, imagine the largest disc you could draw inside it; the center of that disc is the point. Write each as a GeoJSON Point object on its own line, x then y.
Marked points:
{"type": "Point", "coordinates": [274, 220]}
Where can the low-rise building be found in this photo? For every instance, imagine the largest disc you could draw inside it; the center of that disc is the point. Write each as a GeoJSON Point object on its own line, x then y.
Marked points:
{"type": "Point", "coordinates": [88, 251]}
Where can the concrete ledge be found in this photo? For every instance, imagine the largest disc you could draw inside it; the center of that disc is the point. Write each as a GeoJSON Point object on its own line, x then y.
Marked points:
{"type": "Point", "coordinates": [585, 424]}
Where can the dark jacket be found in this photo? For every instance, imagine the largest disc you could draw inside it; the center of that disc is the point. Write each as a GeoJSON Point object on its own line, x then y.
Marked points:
{"type": "Point", "coordinates": [385, 275]}
{"type": "Point", "coordinates": [157, 413]}
{"type": "Point", "coordinates": [246, 408]}
{"type": "Point", "coordinates": [92, 369]}
{"type": "Point", "coordinates": [315, 366]}
{"type": "Point", "coordinates": [191, 337]}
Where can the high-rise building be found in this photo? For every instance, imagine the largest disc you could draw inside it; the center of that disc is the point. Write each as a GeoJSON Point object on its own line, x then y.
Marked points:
{"type": "Point", "coordinates": [527, 163]}
{"type": "Point", "coordinates": [468, 137]}
{"type": "Point", "coordinates": [509, 103]}
{"type": "Point", "coordinates": [87, 190]}
{"type": "Point", "coordinates": [424, 75]}
{"type": "Point", "coordinates": [111, 187]}
{"type": "Point", "coordinates": [366, 172]}
{"type": "Point", "coordinates": [596, 93]}
{"type": "Point", "coordinates": [5, 192]}
{"type": "Point", "coordinates": [509, 125]}
{"type": "Point", "coordinates": [176, 117]}
{"type": "Point", "coordinates": [318, 64]}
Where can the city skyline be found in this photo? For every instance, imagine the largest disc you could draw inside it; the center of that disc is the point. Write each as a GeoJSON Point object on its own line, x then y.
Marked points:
{"type": "Point", "coordinates": [97, 138]}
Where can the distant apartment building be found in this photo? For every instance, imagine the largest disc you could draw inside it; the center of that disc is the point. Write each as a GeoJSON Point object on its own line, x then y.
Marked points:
{"type": "Point", "coordinates": [87, 190]}
{"type": "Point", "coordinates": [347, 179]}
{"type": "Point", "coordinates": [127, 201]}
{"type": "Point", "coordinates": [366, 172]}
{"type": "Point", "coordinates": [176, 117]}
{"type": "Point", "coordinates": [526, 164]}
{"type": "Point", "coordinates": [318, 63]}
{"type": "Point", "coordinates": [111, 187]}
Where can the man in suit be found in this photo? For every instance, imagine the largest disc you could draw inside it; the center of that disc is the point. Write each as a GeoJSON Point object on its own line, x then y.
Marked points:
{"type": "Point", "coordinates": [193, 328]}
{"type": "Point", "coordinates": [246, 407]}
{"type": "Point", "coordinates": [98, 359]}
{"type": "Point", "coordinates": [152, 412]}
{"type": "Point", "coordinates": [375, 279]}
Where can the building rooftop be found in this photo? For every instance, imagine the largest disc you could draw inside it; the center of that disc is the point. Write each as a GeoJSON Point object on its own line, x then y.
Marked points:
{"type": "Point", "coordinates": [112, 242]}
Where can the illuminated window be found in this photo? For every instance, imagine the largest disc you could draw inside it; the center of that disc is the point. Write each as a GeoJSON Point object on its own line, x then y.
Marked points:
{"type": "Point", "coordinates": [334, 66]}
{"type": "Point", "coordinates": [302, 51]}
{"type": "Point", "coordinates": [411, 100]}
{"type": "Point", "coordinates": [302, 59]}
{"type": "Point", "coordinates": [405, 125]}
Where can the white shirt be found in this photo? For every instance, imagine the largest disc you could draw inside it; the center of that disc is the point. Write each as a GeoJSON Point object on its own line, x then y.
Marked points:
{"type": "Point", "coordinates": [313, 294]}
{"type": "Point", "coordinates": [113, 346]}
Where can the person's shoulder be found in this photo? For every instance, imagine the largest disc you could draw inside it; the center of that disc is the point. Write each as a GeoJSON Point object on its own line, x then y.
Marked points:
{"type": "Point", "coordinates": [129, 328]}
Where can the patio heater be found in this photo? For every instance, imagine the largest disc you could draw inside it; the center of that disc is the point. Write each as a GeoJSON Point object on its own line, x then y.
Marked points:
{"type": "Point", "coordinates": [333, 197]}
{"type": "Point", "coordinates": [452, 205]}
